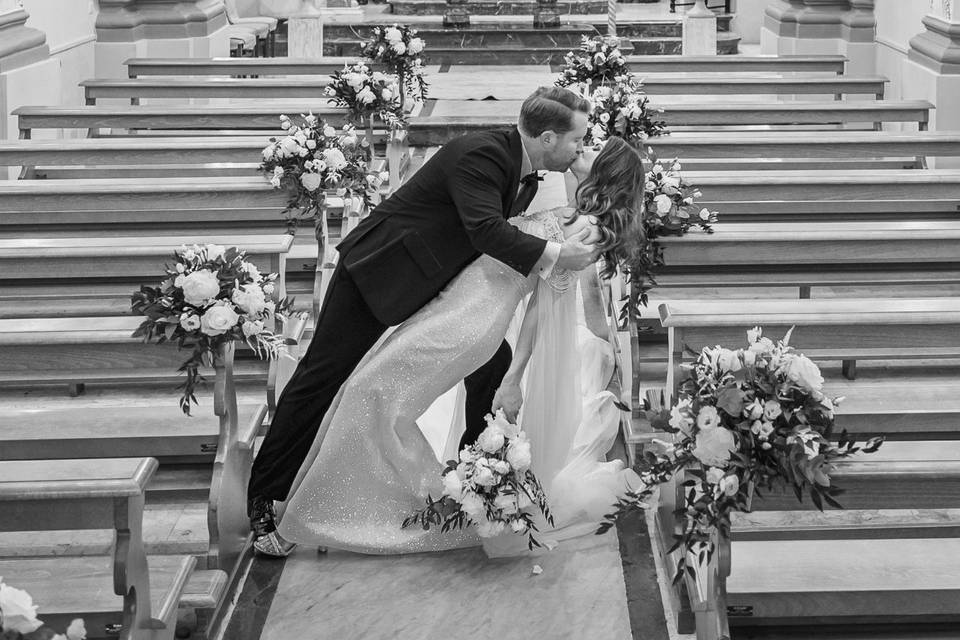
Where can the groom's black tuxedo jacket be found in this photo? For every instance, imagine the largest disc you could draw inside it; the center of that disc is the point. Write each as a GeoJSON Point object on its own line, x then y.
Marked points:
{"type": "Point", "coordinates": [452, 210]}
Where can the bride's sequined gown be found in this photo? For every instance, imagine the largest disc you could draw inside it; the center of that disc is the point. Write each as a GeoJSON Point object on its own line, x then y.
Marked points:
{"type": "Point", "coordinates": [371, 464]}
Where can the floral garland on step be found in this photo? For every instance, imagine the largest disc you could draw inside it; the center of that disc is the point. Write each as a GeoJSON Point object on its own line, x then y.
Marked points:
{"type": "Point", "coordinates": [366, 93]}
{"type": "Point", "coordinates": [747, 420]}
{"type": "Point", "coordinates": [314, 158]}
{"type": "Point", "coordinates": [622, 110]}
{"type": "Point", "coordinates": [399, 48]}
{"type": "Point", "coordinates": [210, 296]}
{"type": "Point", "coordinates": [597, 61]}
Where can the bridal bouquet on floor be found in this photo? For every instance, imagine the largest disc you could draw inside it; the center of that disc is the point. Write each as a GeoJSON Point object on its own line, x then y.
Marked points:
{"type": "Point", "coordinates": [491, 487]}
{"type": "Point", "coordinates": [746, 421]}
{"type": "Point", "coordinates": [210, 296]}
{"type": "Point", "coordinates": [18, 619]}
{"type": "Point", "coordinates": [314, 158]}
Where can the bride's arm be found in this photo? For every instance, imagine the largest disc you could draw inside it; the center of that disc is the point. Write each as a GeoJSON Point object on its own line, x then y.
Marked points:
{"type": "Point", "coordinates": [509, 396]}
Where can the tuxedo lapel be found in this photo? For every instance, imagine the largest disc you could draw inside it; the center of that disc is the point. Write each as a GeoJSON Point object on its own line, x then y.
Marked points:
{"type": "Point", "coordinates": [515, 148]}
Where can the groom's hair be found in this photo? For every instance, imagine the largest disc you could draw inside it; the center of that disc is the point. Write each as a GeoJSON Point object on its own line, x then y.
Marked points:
{"type": "Point", "coordinates": [551, 109]}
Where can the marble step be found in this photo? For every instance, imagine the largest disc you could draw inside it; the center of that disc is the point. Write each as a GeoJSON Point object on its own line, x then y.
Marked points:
{"type": "Point", "coordinates": [727, 44]}
{"type": "Point", "coordinates": [495, 7]}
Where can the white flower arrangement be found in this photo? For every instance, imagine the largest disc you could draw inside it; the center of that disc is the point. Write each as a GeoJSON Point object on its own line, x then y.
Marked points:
{"type": "Point", "coordinates": [211, 295]}
{"type": "Point", "coordinates": [400, 49]}
{"type": "Point", "coordinates": [621, 109]}
{"type": "Point", "coordinates": [18, 618]}
{"type": "Point", "coordinates": [366, 93]}
{"type": "Point", "coordinates": [491, 487]}
{"type": "Point", "coordinates": [598, 60]}
{"type": "Point", "coordinates": [315, 158]}
{"type": "Point", "coordinates": [755, 417]}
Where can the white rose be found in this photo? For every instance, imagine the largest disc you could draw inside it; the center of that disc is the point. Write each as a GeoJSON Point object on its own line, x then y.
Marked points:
{"type": "Point", "coordinates": [218, 319]}
{"type": "Point", "coordinates": [386, 94]}
{"type": "Point", "coordinates": [178, 281]}
{"type": "Point", "coordinates": [250, 298]}
{"type": "Point", "coordinates": [500, 466]}
{"type": "Point", "coordinates": [19, 612]}
{"type": "Point", "coordinates": [680, 419]}
{"type": "Point", "coordinates": [215, 251]}
{"type": "Point", "coordinates": [484, 476]}
{"type": "Point", "coordinates": [189, 321]}
{"type": "Point", "coordinates": [268, 152]}
{"type": "Point", "coordinates": [275, 183]}
{"type": "Point", "coordinates": [472, 505]}
{"type": "Point", "coordinates": [416, 46]}
{"type": "Point", "coordinates": [507, 504]}
{"type": "Point", "coordinates": [509, 429]}
{"type": "Point", "coordinates": [252, 328]}
{"type": "Point", "coordinates": [714, 476]}
{"type": "Point", "coordinates": [468, 455]}
{"type": "Point", "coordinates": [349, 141]}
{"type": "Point", "coordinates": [334, 158]}
{"type": "Point", "coordinates": [766, 429]}
{"type": "Point", "coordinates": [704, 214]}
{"type": "Point", "coordinates": [76, 630]}
{"type": "Point", "coordinates": [730, 485]}
{"type": "Point", "coordinates": [518, 526]}
{"type": "Point", "coordinates": [284, 124]}
{"type": "Point", "coordinates": [200, 286]}
{"type": "Point", "coordinates": [289, 146]}
{"type": "Point", "coordinates": [749, 358]}
{"type": "Point", "coordinates": [399, 48]}
{"type": "Point", "coordinates": [392, 34]}
{"type": "Point", "coordinates": [452, 485]}
{"type": "Point", "coordinates": [311, 144]}
{"type": "Point", "coordinates": [800, 370]}
{"type": "Point", "coordinates": [708, 418]}
{"type": "Point", "coordinates": [488, 528]}
{"type": "Point", "coordinates": [329, 131]}
{"type": "Point", "coordinates": [311, 181]}
{"type": "Point", "coordinates": [366, 96]}
{"type": "Point", "coordinates": [518, 454]}
{"type": "Point", "coordinates": [492, 439]}
{"type": "Point", "coordinates": [713, 447]}
{"type": "Point", "coordinates": [664, 203]}
{"type": "Point", "coordinates": [729, 360]}
{"type": "Point", "coordinates": [753, 410]}
{"type": "Point", "coordinates": [772, 410]}
{"type": "Point", "coordinates": [604, 117]}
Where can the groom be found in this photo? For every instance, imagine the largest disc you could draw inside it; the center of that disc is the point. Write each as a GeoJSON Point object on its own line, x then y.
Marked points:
{"type": "Point", "coordinates": [400, 257]}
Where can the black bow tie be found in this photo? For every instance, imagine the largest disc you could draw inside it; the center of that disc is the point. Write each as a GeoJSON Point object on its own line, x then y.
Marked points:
{"type": "Point", "coordinates": [529, 183]}
{"type": "Point", "coordinates": [531, 178]}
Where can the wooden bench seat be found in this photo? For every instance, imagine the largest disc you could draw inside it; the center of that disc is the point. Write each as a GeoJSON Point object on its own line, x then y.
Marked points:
{"type": "Point", "coordinates": [641, 64]}
{"type": "Point", "coordinates": [123, 587]}
{"type": "Point", "coordinates": [655, 85]}
{"type": "Point", "coordinates": [140, 67]}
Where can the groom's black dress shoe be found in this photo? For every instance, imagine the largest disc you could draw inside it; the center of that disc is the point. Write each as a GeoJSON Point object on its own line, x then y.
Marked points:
{"type": "Point", "coordinates": [263, 524]}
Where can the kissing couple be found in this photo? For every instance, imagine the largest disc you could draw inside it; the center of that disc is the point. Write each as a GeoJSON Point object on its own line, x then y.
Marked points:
{"type": "Point", "coordinates": [447, 260]}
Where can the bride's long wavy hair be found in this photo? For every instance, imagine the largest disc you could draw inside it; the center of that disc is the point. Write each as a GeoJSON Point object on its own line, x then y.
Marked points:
{"type": "Point", "coordinates": [613, 192]}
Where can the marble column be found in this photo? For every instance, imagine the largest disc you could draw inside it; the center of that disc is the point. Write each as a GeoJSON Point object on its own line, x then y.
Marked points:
{"type": "Point", "coordinates": [158, 28]}
{"type": "Point", "coordinates": [779, 31]}
{"type": "Point", "coordinates": [932, 69]}
{"type": "Point", "coordinates": [823, 27]}
{"type": "Point", "coordinates": [28, 76]}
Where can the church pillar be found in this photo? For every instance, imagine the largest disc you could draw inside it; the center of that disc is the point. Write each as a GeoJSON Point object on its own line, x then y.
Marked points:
{"type": "Point", "coordinates": [28, 76]}
{"type": "Point", "coordinates": [158, 28]}
{"type": "Point", "coordinates": [779, 31]}
{"type": "Point", "coordinates": [932, 69]}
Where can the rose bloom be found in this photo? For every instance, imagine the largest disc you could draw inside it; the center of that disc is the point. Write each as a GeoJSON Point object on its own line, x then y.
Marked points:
{"type": "Point", "coordinates": [708, 418]}
{"type": "Point", "coordinates": [714, 476]}
{"type": "Point", "coordinates": [189, 321]}
{"type": "Point", "coordinates": [729, 360]}
{"type": "Point", "coordinates": [334, 158]}
{"type": "Point", "coordinates": [483, 475]}
{"type": "Point", "coordinates": [714, 446]}
{"type": "Point", "coordinates": [500, 420]}
{"type": "Point", "coordinates": [518, 454]}
{"type": "Point", "coordinates": [416, 46]}
{"type": "Point", "coordinates": [252, 328]}
{"type": "Point", "coordinates": [772, 410]}
{"type": "Point", "coordinates": [200, 286]}
{"type": "Point", "coordinates": [730, 485]}
{"type": "Point", "coordinates": [250, 298]}
{"type": "Point", "coordinates": [311, 181]}
{"type": "Point", "coordinates": [472, 505]}
{"type": "Point", "coordinates": [753, 410]}
{"type": "Point", "coordinates": [218, 319]}
{"type": "Point", "coordinates": [19, 612]}
{"type": "Point", "coordinates": [664, 203]}
{"type": "Point", "coordinates": [365, 96]}
{"type": "Point", "coordinates": [800, 370]}
{"type": "Point", "coordinates": [392, 34]}
{"type": "Point", "coordinates": [491, 439]}
{"type": "Point", "coordinates": [399, 48]}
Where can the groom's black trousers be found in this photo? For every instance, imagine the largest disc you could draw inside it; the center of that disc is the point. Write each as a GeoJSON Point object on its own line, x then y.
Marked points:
{"type": "Point", "coordinates": [344, 333]}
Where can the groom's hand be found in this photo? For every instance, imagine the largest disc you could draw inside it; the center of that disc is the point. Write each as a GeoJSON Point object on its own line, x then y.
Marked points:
{"type": "Point", "coordinates": [508, 397]}
{"type": "Point", "coordinates": [576, 253]}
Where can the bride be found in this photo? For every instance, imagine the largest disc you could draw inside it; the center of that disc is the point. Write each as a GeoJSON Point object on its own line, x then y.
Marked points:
{"type": "Point", "coordinates": [371, 464]}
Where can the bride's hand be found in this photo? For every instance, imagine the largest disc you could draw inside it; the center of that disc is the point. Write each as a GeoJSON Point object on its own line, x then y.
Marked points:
{"type": "Point", "coordinates": [508, 397]}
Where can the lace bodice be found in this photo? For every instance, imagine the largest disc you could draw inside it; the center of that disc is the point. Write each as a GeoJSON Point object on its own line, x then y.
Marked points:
{"type": "Point", "coordinates": [546, 224]}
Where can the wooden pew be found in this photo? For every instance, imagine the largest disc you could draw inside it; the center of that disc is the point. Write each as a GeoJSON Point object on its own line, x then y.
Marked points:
{"type": "Point", "coordinates": [140, 67]}
{"type": "Point", "coordinates": [853, 550]}
{"type": "Point", "coordinates": [665, 85]}
{"type": "Point", "coordinates": [854, 147]}
{"type": "Point", "coordinates": [204, 459]}
{"type": "Point", "coordinates": [123, 591]}
{"type": "Point", "coordinates": [739, 63]}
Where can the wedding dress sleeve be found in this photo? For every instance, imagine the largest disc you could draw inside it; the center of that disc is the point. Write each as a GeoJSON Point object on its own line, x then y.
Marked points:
{"type": "Point", "coordinates": [546, 224]}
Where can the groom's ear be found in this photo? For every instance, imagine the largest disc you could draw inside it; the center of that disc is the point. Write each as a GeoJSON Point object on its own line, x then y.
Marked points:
{"type": "Point", "coordinates": [548, 138]}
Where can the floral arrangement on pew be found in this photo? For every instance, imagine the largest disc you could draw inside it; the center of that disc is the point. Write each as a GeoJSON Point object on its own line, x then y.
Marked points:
{"type": "Point", "coordinates": [622, 110]}
{"type": "Point", "coordinates": [18, 619]}
{"type": "Point", "coordinates": [746, 420]}
{"type": "Point", "coordinates": [315, 158]}
{"type": "Point", "coordinates": [399, 48]}
{"type": "Point", "coordinates": [491, 487]}
{"type": "Point", "coordinates": [210, 296]}
{"type": "Point", "coordinates": [367, 95]}
{"type": "Point", "coordinates": [597, 61]}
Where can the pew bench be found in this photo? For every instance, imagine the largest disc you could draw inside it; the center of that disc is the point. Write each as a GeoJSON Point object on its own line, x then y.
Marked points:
{"type": "Point", "coordinates": [122, 592]}
{"type": "Point", "coordinates": [641, 64]}
{"type": "Point", "coordinates": [249, 67]}
{"type": "Point", "coordinates": [821, 579]}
